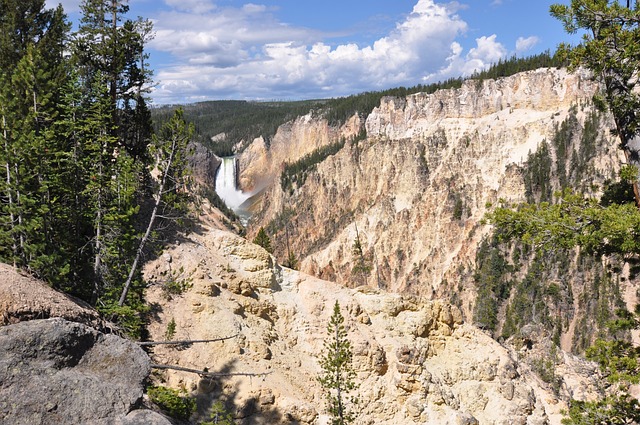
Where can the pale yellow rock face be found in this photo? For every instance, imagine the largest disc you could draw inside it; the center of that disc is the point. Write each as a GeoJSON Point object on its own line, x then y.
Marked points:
{"type": "Point", "coordinates": [399, 187]}
{"type": "Point", "coordinates": [261, 163]}
{"type": "Point", "coordinates": [416, 361]}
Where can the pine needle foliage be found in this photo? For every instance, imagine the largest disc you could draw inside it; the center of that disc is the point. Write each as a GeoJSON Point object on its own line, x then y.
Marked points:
{"type": "Point", "coordinates": [338, 376]}
{"type": "Point", "coordinates": [263, 240]}
{"type": "Point", "coordinates": [619, 361]}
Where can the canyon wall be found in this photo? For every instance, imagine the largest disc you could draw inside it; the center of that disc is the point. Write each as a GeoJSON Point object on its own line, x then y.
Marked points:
{"type": "Point", "coordinates": [390, 226]}
{"type": "Point", "coordinates": [261, 162]}
{"type": "Point", "coordinates": [416, 362]}
{"type": "Point", "coordinates": [415, 191]}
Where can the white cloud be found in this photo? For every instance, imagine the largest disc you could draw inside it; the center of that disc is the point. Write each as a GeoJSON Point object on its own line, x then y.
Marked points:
{"type": "Point", "coordinates": [486, 52]}
{"type": "Point", "coordinates": [524, 44]}
{"type": "Point", "coordinates": [479, 58]}
{"type": "Point", "coordinates": [254, 8]}
{"type": "Point", "coordinates": [247, 53]}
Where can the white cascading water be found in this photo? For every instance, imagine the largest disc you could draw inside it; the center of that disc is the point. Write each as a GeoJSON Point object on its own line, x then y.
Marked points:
{"type": "Point", "coordinates": [226, 187]}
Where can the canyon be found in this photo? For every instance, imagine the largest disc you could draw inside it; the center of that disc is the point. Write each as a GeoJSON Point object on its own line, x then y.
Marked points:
{"type": "Point", "coordinates": [390, 224]}
{"type": "Point", "coordinates": [416, 360]}
{"type": "Point", "coordinates": [413, 193]}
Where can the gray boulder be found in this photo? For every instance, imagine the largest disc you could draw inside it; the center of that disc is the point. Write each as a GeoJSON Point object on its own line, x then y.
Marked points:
{"type": "Point", "coordinates": [57, 372]}
{"type": "Point", "coordinates": [144, 417]}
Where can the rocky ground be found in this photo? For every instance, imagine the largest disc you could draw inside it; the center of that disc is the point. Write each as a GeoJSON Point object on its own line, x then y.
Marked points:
{"type": "Point", "coordinates": [417, 362]}
{"type": "Point", "coordinates": [56, 367]}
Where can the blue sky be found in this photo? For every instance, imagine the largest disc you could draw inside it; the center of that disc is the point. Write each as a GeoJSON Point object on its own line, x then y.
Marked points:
{"type": "Point", "coordinates": [303, 49]}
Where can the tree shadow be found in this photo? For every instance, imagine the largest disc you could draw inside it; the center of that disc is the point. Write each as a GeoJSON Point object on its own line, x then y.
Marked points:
{"type": "Point", "coordinates": [257, 409]}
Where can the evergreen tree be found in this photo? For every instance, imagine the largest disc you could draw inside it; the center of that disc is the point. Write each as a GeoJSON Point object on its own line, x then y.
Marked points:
{"type": "Point", "coordinates": [619, 361]}
{"type": "Point", "coordinates": [597, 229]}
{"type": "Point", "coordinates": [291, 261]}
{"type": "Point", "coordinates": [31, 72]}
{"type": "Point", "coordinates": [73, 146]}
{"type": "Point", "coordinates": [171, 199]}
{"type": "Point", "coordinates": [115, 131]}
{"type": "Point", "coordinates": [338, 377]}
{"type": "Point", "coordinates": [72, 128]}
{"type": "Point", "coordinates": [362, 264]}
{"type": "Point", "coordinates": [109, 48]}
{"type": "Point", "coordinates": [263, 240]}
{"type": "Point", "coordinates": [610, 49]}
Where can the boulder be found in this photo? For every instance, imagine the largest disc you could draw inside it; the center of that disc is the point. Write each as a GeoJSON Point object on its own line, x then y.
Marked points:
{"type": "Point", "coordinates": [56, 371]}
{"type": "Point", "coordinates": [144, 417]}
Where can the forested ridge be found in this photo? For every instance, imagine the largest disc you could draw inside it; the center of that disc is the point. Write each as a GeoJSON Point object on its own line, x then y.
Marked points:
{"type": "Point", "coordinates": [242, 121]}
{"type": "Point", "coordinates": [76, 151]}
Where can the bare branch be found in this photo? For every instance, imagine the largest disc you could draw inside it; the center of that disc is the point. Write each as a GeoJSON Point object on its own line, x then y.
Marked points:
{"type": "Point", "coordinates": [207, 374]}
{"type": "Point", "coordinates": [186, 341]}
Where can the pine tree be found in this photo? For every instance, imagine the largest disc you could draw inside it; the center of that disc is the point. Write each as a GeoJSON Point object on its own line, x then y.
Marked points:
{"type": "Point", "coordinates": [108, 46]}
{"type": "Point", "coordinates": [609, 48]}
{"type": "Point", "coordinates": [100, 149]}
{"type": "Point", "coordinates": [115, 131]}
{"type": "Point", "coordinates": [73, 145]}
{"type": "Point", "coordinates": [170, 148]}
{"type": "Point", "coordinates": [338, 377]}
{"type": "Point", "coordinates": [72, 130]}
{"type": "Point", "coordinates": [263, 240]}
{"type": "Point", "coordinates": [32, 71]}
{"type": "Point", "coordinates": [619, 362]}
{"type": "Point", "coordinates": [361, 264]}
{"type": "Point", "coordinates": [291, 261]}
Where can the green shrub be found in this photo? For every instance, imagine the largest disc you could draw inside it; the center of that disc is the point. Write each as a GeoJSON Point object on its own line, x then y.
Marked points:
{"type": "Point", "coordinates": [176, 285]}
{"type": "Point", "coordinates": [263, 240]}
{"type": "Point", "coordinates": [219, 415]}
{"type": "Point", "coordinates": [172, 402]}
{"type": "Point", "coordinates": [171, 330]}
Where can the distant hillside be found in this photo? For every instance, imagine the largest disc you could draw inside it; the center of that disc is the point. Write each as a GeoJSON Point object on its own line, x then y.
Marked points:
{"type": "Point", "coordinates": [243, 121]}
{"type": "Point", "coordinates": [237, 119]}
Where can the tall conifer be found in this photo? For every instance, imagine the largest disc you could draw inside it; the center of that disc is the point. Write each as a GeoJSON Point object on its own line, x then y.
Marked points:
{"type": "Point", "coordinates": [338, 377]}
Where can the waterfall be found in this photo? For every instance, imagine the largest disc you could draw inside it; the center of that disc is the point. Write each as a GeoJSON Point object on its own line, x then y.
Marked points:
{"type": "Point", "coordinates": [226, 185]}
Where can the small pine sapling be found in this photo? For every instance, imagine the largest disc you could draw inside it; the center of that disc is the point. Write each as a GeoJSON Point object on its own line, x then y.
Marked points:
{"type": "Point", "coordinates": [338, 376]}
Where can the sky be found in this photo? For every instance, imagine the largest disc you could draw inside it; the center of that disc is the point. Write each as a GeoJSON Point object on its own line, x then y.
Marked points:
{"type": "Point", "coordinates": [310, 49]}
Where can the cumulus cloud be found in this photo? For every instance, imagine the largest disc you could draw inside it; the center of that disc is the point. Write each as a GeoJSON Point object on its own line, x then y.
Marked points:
{"type": "Point", "coordinates": [247, 53]}
{"type": "Point", "coordinates": [524, 44]}
{"type": "Point", "coordinates": [487, 51]}
{"type": "Point", "coordinates": [210, 50]}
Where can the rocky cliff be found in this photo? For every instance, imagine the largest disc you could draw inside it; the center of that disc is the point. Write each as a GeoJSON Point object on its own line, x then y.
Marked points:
{"type": "Point", "coordinates": [261, 163]}
{"type": "Point", "coordinates": [416, 360]}
{"type": "Point", "coordinates": [413, 193]}
{"type": "Point", "coordinates": [395, 220]}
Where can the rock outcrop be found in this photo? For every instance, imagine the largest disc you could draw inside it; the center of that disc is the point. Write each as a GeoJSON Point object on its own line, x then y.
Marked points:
{"type": "Point", "coordinates": [204, 165]}
{"type": "Point", "coordinates": [24, 298]}
{"type": "Point", "coordinates": [416, 361]}
{"type": "Point", "coordinates": [416, 190]}
{"type": "Point", "coordinates": [58, 366]}
{"type": "Point", "coordinates": [56, 371]}
{"type": "Point", "coordinates": [261, 163]}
